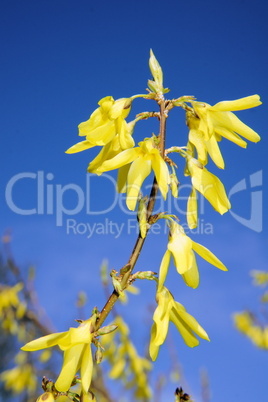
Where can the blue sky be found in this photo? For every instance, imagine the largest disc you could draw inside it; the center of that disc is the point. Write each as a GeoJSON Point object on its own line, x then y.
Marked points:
{"type": "Point", "coordinates": [58, 59]}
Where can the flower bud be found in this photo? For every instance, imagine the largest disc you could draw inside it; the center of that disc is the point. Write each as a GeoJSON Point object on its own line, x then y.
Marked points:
{"type": "Point", "coordinates": [98, 355]}
{"type": "Point", "coordinates": [106, 330]}
{"type": "Point", "coordinates": [47, 397]}
{"type": "Point", "coordinates": [157, 73]}
{"type": "Point", "coordinates": [142, 216]}
{"type": "Point", "coordinates": [145, 275]}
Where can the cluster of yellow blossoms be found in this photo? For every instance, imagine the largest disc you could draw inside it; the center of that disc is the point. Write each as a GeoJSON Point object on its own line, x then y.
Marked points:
{"type": "Point", "coordinates": [248, 323]}
{"type": "Point", "coordinates": [20, 378]}
{"type": "Point", "coordinates": [107, 127]}
{"type": "Point", "coordinates": [207, 124]}
{"type": "Point", "coordinates": [12, 309]}
{"type": "Point", "coordinates": [125, 362]}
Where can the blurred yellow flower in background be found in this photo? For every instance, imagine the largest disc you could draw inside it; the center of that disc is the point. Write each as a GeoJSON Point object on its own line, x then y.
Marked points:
{"type": "Point", "coordinates": [20, 378]}
{"type": "Point", "coordinates": [9, 296]}
{"type": "Point", "coordinates": [245, 323]}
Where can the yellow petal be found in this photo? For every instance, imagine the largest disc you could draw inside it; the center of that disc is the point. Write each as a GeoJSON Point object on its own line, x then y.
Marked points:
{"type": "Point", "coordinates": [102, 134]}
{"type": "Point", "coordinates": [186, 333]}
{"type": "Point", "coordinates": [192, 217]}
{"type": "Point", "coordinates": [161, 315]}
{"type": "Point", "coordinates": [153, 348]}
{"type": "Point", "coordinates": [208, 256]}
{"type": "Point", "coordinates": [210, 187]}
{"type": "Point", "coordinates": [121, 107]}
{"type": "Point", "coordinates": [197, 139]}
{"type": "Point", "coordinates": [70, 367]}
{"type": "Point", "coordinates": [96, 119]}
{"type": "Point", "coordinates": [162, 330]}
{"type": "Point", "coordinates": [232, 123]}
{"type": "Point", "coordinates": [163, 298]}
{"type": "Point", "coordinates": [191, 277]}
{"type": "Point", "coordinates": [76, 335]}
{"type": "Point", "coordinates": [123, 158]}
{"type": "Point", "coordinates": [107, 152]}
{"type": "Point", "coordinates": [125, 133]}
{"type": "Point", "coordinates": [163, 270]}
{"type": "Point", "coordinates": [205, 123]}
{"type": "Point", "coordinates": [106, 103]}
{"type": "Point", "coordinates": [161, 173]}
{"type": "Point", "coordinates": [231, 136]}
{"type": "Point", "coordinates": [86, 368]}
{"type": "Point", "coordinates": [122, 178]}
{"type": "Point", "coordinates": [180, 246]}
{"type": "Point", "coordinates": [214, 152]}
{"type": "Point", "coordinates": [238, 104]}
{"type": "Point", "coordinates": [192, 322]}
{"type": "Point", "coordinates": [139, 170]}
{"type": "Point", "coordinates": [80, 146]}
{"type": "Point", "coordinates": [44, 342]}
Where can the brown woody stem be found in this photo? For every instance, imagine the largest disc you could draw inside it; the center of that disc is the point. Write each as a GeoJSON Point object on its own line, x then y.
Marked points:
{"type": "Point", "coordinates": [140, 241]}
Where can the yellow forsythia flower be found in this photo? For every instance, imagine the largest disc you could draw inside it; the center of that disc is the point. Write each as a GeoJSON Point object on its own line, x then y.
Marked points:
{"type": "Point", "coordinates": [192, 217]}
{"type": "Point", "coordinates": [260, 277]}
{"type": "Point", "coordinates": [76, 344]}
{"type": "Point", "coordinates": [104, 123]}
{"type": "Point", "coordinates": [20, 378]}
{"type": "Point", "coordinates": [170, 310]}
{"type": "Point", "coordinates": [121, 141]}
{"type": "Point", "coordinates": [208, 185]}
{"type": "Point", "coordinates": [208, 124]}
{"type": "Point", "coordinates": [182, 249]}
{"type": "Point", "coordinates": [144, 158]}
{"type": "Point", "coordinates": [9, 296]}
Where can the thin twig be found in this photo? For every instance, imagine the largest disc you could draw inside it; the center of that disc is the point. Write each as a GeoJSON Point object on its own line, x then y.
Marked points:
{"type": "Point", "coordinates": [140, 241]}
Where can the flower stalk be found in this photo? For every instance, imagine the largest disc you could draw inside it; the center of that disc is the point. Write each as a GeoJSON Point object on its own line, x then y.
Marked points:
{"type": "Point", "coordinates": [140, 240]}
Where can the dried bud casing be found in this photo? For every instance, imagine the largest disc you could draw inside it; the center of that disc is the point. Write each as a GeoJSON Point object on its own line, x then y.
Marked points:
{"type": "Point", "coordinates": [98, 355]}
